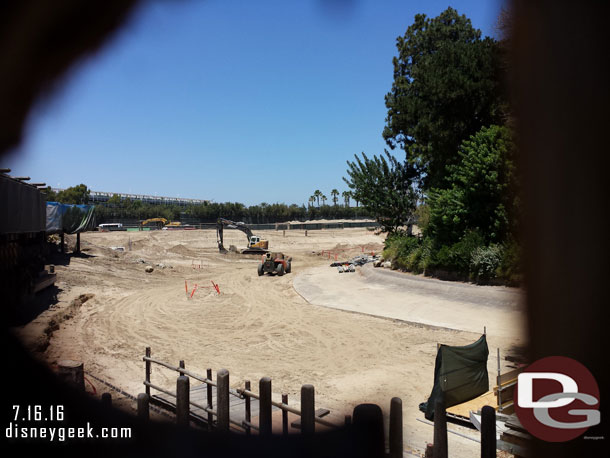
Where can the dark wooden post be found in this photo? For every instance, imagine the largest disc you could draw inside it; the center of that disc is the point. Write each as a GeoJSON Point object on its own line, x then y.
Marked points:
{"type": "Point", "coordinates": [308, 409]}
{"type": "Point", "coordinates": [210, 399]}
{"type": "Point", "coordinates": [107, 399]}
{"type": "Point", "coordinates": [367, 431]}
{"type": "Point", "coordinates": [248, 408]}
{"type": "Point", "coordinates": [143, 406]}
{"type": "Point", "coordinates": [488, 432]}
{"type": "Point", "coordinates": [264, 419]}
{"type": "Point", "coordinates": [222, 399]}
{"type": "Point", "coordinates": [284, 415]}
{"type": "Point", "coordinates": [396, 442]}
{"type": "Point", "coordinates": [63, 247]}
{"type": "Point", "coordinates": [182, 400]}
{"type": "Point", "coordinates": [77, 247]}
{"type": "Point", "coordinates": [147, 371]}
{"type": "Point", "coordinates": [440, 429]}
{"type": "Point", "coordinates": [72, 372]}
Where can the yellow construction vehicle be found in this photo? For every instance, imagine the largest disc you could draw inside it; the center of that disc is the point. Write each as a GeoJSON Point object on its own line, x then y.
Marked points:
{"type": "Point", "coordinates": [159, 223]}
{"type": "Point", "coordinates": [255, 244]}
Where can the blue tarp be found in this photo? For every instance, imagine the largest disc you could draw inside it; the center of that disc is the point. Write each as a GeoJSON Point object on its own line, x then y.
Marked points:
{"type": "Point", "coordinates": [69, 218]}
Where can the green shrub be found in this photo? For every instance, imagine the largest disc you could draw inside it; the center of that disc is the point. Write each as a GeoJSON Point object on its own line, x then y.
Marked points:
{"type": "Point", "coordinates": [418, 259]}
{"type": "Point", "coordinates": [408, 252]}
{"type": "Point", "coordinates": [399, 246]}
{"type": "Point", "coordinates": [484, 263]}
{"type": "Point", "coordinates": [510, 267]}
{"type": "Point", "coordinates": [456, 257]}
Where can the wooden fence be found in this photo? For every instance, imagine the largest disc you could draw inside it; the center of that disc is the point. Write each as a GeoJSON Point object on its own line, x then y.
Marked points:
{"type": "Point", "coordinates": [217, 410]}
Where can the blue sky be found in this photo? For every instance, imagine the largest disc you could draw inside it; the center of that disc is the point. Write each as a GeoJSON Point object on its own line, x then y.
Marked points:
{"type": "Point", "coordinates": [228, 100]}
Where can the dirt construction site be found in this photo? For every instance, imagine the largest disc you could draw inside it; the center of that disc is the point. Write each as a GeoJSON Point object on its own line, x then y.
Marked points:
{"type": "Point", "coordinates": [358, 337]}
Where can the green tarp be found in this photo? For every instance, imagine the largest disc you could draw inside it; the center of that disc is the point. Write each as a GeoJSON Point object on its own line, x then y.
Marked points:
{"type": "Point", "coordinates": [460, 374]}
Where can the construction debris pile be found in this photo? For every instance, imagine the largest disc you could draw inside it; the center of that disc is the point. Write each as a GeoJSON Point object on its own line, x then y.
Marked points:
{"type": "Point", "coordinates": [350, 266]}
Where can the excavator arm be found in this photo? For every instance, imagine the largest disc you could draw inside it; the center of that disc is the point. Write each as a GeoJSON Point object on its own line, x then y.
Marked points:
{"type": "Point", "coordinates": [222, 223]}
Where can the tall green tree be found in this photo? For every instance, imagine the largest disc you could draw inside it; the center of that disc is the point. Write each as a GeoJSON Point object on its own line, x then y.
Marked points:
{"type": "Point", "coordinates": [384, 187]}
{"type": "Point", "coordinates": [115, 200]}
{"type": "Point", "coordinates": [480, 192]}
{"type": "Point", "coordinates": [74, 195]}
{"type": "Point", "coordinates": [317, 194]}
{"type": "Point", "coordinates": [346, 197]}
{"type": "Point", "coordinates": [447, 86]}
{"type": "Point", "coordinates": [335, 194]}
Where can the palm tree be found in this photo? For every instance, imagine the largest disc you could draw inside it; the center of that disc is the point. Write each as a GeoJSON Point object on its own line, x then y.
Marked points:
{"type": "Point", "coordinates": [323, 197]}
{"type": "Point", "coordinates": [346, 196]}
{"type": "Point", "coordinates": [317, 194]}
{"type": "Point", "coordinates": [334, 193]}
{"type": "Point", "coordinates": [312, 199]}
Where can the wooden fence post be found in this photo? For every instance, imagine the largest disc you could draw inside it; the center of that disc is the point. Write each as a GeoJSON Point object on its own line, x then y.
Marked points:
{"type": "Point", "coordinates": [396, 442]}
{"type": "Point", "coordinates": [284, 415]}
{"type": "Point", "coordinates": [264, 419]}
{"type": "Point", "coordinates": [440, 429]}
{"type": "Point", "coordinates": [488, 432]}
{"type": "Point", "coordinates": [143, 406]}
{"type": "Point", "coordinates": [147, 370]}
{"type": "Point", "coordinates": [107, 399]}
{"type": "Point", "coordinates": [222, 399]}
{"type": "Point", "coordinates": [367, 431]}
{"type": "Point", "coordinates": [182, 400]}
{"type": "Point", "coordinates": [308, 409]}
{"type": "Point", "coordinates": [248, 408]}
{"type": "Point", "coordinates": [210, 399]}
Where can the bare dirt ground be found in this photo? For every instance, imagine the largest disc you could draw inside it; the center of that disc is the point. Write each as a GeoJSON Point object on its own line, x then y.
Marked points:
{"type": "Point", "coordinates": [110, 309]}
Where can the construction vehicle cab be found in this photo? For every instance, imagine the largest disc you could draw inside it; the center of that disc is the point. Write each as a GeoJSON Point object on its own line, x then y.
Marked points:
{"type": "Point", "coordinates": [256, 242]}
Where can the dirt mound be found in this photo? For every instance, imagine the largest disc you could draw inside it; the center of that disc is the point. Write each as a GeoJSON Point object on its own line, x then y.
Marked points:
{"type": "Point", "coordinates": [182, 250]}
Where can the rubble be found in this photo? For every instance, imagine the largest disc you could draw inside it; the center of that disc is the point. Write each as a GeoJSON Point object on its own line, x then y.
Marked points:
{"type": "Point", "coordinates": [359, 260]}
{"type": "Point", "coordinates": [346, 268]}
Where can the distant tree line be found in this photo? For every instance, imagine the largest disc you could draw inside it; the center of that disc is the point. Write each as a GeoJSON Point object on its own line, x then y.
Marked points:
{"type": "Point", "coordinates": [118, 208]}
{"type": "Point", "coordinates": [448, 113]}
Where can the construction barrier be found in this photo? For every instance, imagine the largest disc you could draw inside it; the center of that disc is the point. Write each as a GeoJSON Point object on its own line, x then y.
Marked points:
{"type": "Point", "coordinates": [196, 287]}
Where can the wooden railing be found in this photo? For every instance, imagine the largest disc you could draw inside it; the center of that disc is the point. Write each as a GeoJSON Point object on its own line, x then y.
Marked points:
{"type": "Point", "coordinates": [219, 418]}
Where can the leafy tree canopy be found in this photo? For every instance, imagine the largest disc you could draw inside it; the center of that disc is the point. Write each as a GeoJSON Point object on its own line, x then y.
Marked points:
{"type": "Point", "coordinates": [74, 195]}
{"type": "Point", "coordinates": [479, 192]}
{"type": "Point", "coordinates": [446, 86]}
{"type": "Point", "coordinates": [384, 187]}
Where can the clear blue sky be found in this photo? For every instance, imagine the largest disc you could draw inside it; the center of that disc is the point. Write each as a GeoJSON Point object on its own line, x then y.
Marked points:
{"type": "Point", "coordinates": [241, 101]}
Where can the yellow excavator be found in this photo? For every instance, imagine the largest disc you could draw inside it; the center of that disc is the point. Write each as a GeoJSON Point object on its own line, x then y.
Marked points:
{"type": "Point", "coordinates": [255, 244]}
{"type": "Point", "coordinates": [160, 223]}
